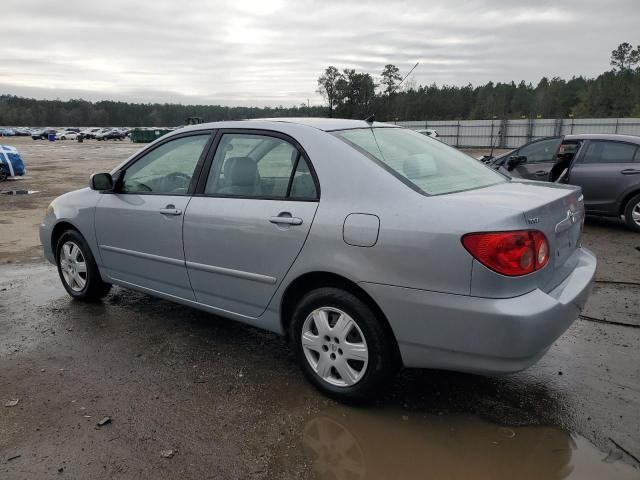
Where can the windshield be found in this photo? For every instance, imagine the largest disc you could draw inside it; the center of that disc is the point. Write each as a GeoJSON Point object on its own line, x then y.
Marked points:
{"type": "Point", "coordinates": [425, 164]}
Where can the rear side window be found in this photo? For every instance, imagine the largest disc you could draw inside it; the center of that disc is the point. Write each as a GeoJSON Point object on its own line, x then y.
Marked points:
{"type": "Point", "coordinates": [259, 166]}
{"type": "Point", "coordinates": [423, 163]}
{"type": "Point", "coordinates": [610, 152]}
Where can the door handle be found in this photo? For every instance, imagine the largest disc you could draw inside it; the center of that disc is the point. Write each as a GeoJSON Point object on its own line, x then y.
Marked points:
{"type": "Point", "coordinates": [630, 171]}
{"type": "Point", "coordinates": [170, 210]}
{"type": "Point", "coordinates": [286, 220]}
{"type": "Point", "coordinates": [540, 173]}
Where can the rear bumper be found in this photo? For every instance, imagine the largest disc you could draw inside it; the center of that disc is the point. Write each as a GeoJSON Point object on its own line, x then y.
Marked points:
{"type": "Point", "coordinates": [483, 335]}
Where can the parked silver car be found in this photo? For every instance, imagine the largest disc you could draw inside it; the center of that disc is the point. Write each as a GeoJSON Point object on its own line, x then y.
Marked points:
{"type": "Point", "coordinates": [370, 246]}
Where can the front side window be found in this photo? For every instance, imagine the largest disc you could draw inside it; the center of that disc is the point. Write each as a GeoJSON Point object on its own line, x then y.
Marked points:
{"type": "Point", "coordinates": [248, 165]}
{"type": "Point", "coordinates": [542, 151]}
{"type": "Point", "coordinates": [425, 164]}
{"type": "Point", "coordinates": [609, 152]}
{"type": "Point", "coordinates": [167, 169]}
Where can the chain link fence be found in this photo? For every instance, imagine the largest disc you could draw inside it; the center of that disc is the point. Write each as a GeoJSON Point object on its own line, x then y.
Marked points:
{"type": "Point", "coordinates": [514, 133]}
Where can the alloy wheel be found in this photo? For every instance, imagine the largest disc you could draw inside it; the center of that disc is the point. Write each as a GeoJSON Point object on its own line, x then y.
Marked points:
{"type": "Point", "coordinates": [635, 214]}
{"type": "Point", "coordinates": [73, 266]}
{"type": "Point", "coordinates": [334, 346]}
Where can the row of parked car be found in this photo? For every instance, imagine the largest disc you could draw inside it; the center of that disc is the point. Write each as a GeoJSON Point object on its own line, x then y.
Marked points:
{"type": "Point", "coordinates": [74, 133]}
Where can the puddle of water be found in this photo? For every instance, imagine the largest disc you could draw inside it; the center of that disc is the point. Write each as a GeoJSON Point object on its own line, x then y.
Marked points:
{"type": "Point", "coordinates": [369, 444]}
{"type": "Point", "coordinates": [19, 192]}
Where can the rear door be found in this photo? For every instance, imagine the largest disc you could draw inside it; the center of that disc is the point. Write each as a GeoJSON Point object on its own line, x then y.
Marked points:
{"type": "Point", "coordinates": [605, 171]}
{"type": "Point", "coordinates": [537, 159]}
{"type": "Point", "coordinates": [249, 220]}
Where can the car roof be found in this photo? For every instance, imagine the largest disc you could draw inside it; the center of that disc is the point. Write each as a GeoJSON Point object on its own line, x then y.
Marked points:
{"type": "Point", "coordinates": [325, 124]}
{"type": "Point", "coordinates": [604, 136]}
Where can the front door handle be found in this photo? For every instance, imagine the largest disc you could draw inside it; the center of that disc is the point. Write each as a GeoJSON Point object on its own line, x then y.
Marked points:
{"type": "Point", "coordinates": [540, 173]}
{"type": "Point", "coordinates": [170, 210]}
{"type": "Point", "coordinates": [630, 171]}
{"type": "Point", "coordinates": [285, 219]}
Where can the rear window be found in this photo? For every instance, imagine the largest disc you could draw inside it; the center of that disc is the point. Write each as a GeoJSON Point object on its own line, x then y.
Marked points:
{"type": "Point", "coordinates": [423, 163]}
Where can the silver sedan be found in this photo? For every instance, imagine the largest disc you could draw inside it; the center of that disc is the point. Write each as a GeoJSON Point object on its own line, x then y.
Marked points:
{"type": "Point", "coordinates": [370, 246]}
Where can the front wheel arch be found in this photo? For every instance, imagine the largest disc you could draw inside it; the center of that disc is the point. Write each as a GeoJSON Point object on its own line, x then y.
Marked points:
{"type": "Point", "coordinates": [57, 232]}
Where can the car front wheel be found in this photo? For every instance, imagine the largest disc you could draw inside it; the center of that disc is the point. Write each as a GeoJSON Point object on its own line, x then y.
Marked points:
{"type": "Point", "coordinates": [77, 268]}
{"type": "Point", "coordinates": [632, 213]}
{"type": "Point", "coordinates": [342, 345]}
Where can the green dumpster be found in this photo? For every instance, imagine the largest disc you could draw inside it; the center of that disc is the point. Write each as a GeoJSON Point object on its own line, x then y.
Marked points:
{"type": "Point", "coordinates": [146, 135]}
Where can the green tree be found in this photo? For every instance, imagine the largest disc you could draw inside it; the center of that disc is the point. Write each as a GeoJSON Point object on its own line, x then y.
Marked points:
{"type": "Point", "coordinates": [624, 57]}
{"type": "Point", "coordinates": [390, 78]}
{"type": "Point", "coordinates": [328, 86]}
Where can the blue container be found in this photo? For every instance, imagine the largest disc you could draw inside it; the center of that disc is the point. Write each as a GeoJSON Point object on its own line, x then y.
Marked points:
{"type": "Point", "coordinates": [52, 137]}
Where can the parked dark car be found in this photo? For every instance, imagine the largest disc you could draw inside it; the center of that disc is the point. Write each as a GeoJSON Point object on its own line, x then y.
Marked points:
{"type": "Point", "coordinates": [110, 135]}
{"type": "Point", "coordinates": [606, 166]}
{"type": "Point", "coordinates": [43, 134]}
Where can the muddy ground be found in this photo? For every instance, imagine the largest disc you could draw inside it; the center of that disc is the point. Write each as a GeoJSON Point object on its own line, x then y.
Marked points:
{"type": "Point", "coordinates": [191, 395]}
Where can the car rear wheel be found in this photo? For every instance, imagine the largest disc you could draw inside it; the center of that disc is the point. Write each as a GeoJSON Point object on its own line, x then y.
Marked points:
{"type": "Point", "coordinates": [77, 268]}
{"type": "Point", "coordinates": [632, 213]}
{"type": "Point", "coordinates": [341, 345]}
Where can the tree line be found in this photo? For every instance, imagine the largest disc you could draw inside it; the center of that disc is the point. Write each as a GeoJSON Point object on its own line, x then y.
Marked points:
{"type": "Point", "coordinates": [352, 94]}
{"type": "Point", "coordinates": [615, 93]}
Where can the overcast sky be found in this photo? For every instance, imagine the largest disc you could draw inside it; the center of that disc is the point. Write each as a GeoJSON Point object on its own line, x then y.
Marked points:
{"type": "Point", "coordinates": [263, 52]}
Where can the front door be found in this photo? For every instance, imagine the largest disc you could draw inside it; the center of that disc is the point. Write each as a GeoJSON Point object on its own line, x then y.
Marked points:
{"type": "Point", "coordinates": [537, 159]}
{"type": "Point", "coordinates": [139, 226]}
{"type": "Point", "coordinates": [607, 170]}
{"type": "Point", "coordinates": [246, 228]}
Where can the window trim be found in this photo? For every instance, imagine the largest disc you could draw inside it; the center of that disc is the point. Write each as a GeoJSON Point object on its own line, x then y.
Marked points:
{"type": "Point", "coordinates": [604, 140]}
{"type": "Point", "coordinates": [118, 176]}
{"type": "Point", "coordinates": [209, 164]}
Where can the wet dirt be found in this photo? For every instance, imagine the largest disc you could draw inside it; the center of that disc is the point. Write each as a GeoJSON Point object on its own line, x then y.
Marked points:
{"type": "Point", "coordinates": [228, 401]}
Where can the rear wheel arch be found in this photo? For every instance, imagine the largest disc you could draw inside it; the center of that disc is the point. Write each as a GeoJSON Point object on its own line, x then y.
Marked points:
{"type": "Point", "coordinates": [319, 279]}
{"type": "Point", "coordinates": [625, 200]}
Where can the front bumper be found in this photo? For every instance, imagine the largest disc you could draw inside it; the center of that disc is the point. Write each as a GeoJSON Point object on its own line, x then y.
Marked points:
{"type": "Point", "coordinates": [45, 231]}
{"type": "Point", "coordinates": [483, 335]}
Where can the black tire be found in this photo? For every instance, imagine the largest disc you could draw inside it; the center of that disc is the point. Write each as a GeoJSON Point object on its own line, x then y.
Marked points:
{"type": "Point", "coordinates": [632, 204]}
{"type": "Point", "coordinates": [3, 174]}
{"type": "Point", "coordinates": [94, 288]}
{"type": "Point", "coordinates": [382, 359]}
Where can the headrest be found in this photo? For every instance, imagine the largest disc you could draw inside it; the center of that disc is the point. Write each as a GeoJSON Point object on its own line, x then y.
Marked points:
{"type": "Point", "coordinates": [244, 171]}
{"type": "Point", "coordinates": [419, 165]}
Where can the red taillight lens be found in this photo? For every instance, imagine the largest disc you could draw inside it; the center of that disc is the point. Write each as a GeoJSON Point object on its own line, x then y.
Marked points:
{"type": "Point", "coordinates": [509, 253]}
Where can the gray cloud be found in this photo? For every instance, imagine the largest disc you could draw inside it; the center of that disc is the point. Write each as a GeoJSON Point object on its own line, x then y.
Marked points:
{"type": "Point", "coordinates": [271, 52]}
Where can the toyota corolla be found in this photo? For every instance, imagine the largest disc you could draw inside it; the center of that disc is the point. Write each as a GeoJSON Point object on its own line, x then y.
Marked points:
{"type": "Point", "coordinates": [370, 246]}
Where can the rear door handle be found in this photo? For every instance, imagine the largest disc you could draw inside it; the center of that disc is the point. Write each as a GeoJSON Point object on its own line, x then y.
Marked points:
{"type": "Point", "coordinates": [170, 210]}
{"type": "Point", "coordinates": [286, 220]}
{"type": "Point", "coordinates": [630, 171]}
{"type": "Point", "coordinates": [541, 173]}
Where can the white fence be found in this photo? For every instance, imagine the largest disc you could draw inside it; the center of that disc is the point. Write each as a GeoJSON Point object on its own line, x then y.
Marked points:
{"type": "Point", "coordinates": [513, 133]}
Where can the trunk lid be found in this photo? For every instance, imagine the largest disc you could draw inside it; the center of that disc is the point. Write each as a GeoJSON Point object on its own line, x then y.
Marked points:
{"type": "Point", "coordinates": [556, 210]}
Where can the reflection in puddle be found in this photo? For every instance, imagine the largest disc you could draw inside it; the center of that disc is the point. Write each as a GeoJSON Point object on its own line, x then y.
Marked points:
{"type": "Point", "coordinates": [348, 444]}
{"type": "Point", "coordinates": [19, 192]}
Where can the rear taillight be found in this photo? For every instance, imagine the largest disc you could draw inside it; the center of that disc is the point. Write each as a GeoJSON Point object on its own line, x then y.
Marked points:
{"type": "Point", "coordinates": [509, 253]}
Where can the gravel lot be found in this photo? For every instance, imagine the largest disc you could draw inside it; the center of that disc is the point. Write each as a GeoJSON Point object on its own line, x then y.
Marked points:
{"type": "Point", "coordinates": [191, 395]}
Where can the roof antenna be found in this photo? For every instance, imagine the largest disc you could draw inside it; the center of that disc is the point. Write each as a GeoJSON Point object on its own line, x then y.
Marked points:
{"type": "Point", "coordinates": [371, 118]}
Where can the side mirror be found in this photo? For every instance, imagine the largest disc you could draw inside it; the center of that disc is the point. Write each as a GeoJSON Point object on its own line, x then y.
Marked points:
{"type": "Point", "coordinates": [514, 161]}
{"type": "Point", "coordinates": [102, 182]}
